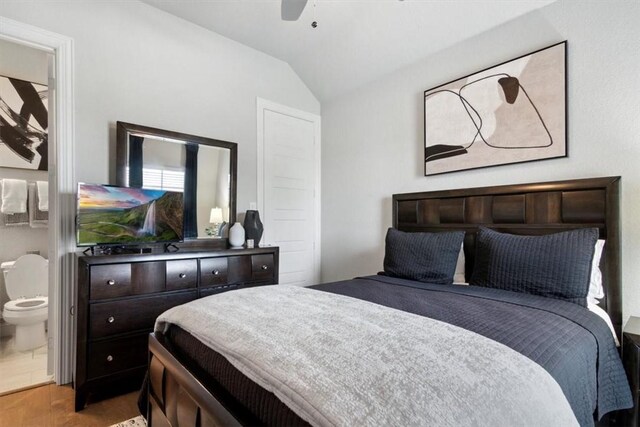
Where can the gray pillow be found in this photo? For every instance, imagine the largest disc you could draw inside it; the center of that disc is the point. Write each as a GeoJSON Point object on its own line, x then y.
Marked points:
{"type": "Point", "coordinates": [425, 257]}
{"type": "Point", "coordinates": [555, 265]}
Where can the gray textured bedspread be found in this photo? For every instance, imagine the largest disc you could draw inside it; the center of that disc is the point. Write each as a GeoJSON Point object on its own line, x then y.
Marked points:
{"type": "Point", "coordinates": [574, 345]}
{"type": "Point", "coordinates": [341, 361]}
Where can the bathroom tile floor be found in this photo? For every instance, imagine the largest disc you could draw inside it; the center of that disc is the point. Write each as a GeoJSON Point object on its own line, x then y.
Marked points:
{"type": "Point", "coordinates": [21, 369]}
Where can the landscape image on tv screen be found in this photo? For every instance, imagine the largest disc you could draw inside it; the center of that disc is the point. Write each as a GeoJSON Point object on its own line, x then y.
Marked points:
{"type": "Point", "coordinates": [120, 215]}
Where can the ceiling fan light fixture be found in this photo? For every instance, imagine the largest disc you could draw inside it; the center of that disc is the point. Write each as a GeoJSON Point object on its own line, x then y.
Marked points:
{"type": "Point", "coordinates": [290, 10]}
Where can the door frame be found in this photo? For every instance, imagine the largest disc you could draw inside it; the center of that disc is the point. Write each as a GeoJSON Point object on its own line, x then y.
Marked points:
{"type": "Point", "coordinates": [266, 105]}
{"type": "Point", "coordinates": [62, 180]}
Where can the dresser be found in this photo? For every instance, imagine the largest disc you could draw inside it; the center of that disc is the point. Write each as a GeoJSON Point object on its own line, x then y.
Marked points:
{"type": "Point", "coordinates": [120, 296]}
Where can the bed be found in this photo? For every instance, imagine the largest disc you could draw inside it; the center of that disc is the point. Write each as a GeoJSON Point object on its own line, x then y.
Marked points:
{"type": "Point", "coordinates": [195, 380]}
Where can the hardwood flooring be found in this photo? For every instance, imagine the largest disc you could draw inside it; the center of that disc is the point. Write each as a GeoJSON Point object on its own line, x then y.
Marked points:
{"type": "Point", "coordinates": [52, 405]}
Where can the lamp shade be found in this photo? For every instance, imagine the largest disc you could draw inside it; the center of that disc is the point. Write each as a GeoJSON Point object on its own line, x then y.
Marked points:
{"type": "Point", "coordinates": [216, 216]}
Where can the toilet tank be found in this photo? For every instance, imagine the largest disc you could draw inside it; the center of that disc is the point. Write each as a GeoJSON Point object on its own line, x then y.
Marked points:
{"type": "Point", "coordinates": [6, 266]}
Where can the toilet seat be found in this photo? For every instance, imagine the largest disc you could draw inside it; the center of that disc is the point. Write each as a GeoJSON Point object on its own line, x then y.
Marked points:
{"type": "Point", "coordinates": [27, 304]}
{"type": "Point", "coordinates": [28, 277]}
{"type": "Point", "coordinates": [26, 283]}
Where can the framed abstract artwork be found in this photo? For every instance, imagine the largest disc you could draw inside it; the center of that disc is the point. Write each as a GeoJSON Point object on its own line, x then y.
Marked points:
{"type": "Point", "coordinates": [23, 124]}
{"type": "Point", "coordinates": [510, 113]}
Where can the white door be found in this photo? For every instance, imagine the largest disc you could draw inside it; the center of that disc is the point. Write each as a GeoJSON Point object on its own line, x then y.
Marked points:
{"type": "Point", "coordinates": [289, 189]}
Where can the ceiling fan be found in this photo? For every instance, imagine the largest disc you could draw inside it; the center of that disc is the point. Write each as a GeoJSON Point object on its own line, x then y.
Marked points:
{"type": "Point", "coordinates": [292, 9]}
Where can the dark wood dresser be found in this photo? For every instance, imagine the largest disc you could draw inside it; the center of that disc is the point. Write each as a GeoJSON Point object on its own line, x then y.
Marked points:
{"type": "Point", "coordinates": [120, 296]}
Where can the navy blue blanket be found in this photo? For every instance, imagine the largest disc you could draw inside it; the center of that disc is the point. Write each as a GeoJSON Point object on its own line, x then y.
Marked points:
{"type": "Point", "coordinates": [574, 345]}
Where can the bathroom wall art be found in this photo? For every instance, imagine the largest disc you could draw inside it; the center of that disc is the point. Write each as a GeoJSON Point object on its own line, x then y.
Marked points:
{"type": "Point", "coordinates": [23, 124]}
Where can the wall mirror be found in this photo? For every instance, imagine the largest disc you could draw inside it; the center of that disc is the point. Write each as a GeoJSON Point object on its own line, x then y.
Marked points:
{"type": "Point", "coordinates": [204, 169]}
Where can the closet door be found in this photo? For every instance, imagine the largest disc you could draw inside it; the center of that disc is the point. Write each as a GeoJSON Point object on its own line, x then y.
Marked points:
{"type": "Point", "coordinates": [289, 189]}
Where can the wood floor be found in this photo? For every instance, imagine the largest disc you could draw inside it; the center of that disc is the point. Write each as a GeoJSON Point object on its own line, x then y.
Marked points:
{"type": "Point", "coordinates": [52, 405]}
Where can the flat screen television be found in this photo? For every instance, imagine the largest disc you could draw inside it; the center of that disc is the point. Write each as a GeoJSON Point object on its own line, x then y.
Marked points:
{"type": "Point", "coordinates": [109, 215]}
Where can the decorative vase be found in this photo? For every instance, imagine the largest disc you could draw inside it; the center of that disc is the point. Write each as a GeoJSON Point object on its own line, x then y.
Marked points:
{"type": "Point", "coordinates": [223, 229]}
{"type": "Point", "coordinates": [253, 226]}
{"type": "Point", "coordinates": [236, 235]}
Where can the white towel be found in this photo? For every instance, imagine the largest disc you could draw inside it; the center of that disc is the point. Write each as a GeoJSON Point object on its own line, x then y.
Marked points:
{"type": "Point", "coordinates": [43, 195]}
{"type": "Point", "coordinates": [14, 196]}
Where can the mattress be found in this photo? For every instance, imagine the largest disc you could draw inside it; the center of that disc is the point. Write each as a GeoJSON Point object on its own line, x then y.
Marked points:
{"type": "Point", "coordinates": [572, 344]}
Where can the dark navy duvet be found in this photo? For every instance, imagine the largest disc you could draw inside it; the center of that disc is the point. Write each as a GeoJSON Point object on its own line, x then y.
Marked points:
{"type": "Point", "coordinates": [574, 345]}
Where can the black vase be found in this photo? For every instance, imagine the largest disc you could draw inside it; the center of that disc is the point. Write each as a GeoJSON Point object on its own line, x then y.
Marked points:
{"type": "Point", "coordinates": [253, 226]}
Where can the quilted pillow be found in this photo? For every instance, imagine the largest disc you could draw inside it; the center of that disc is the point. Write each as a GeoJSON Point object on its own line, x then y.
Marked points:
{"type": "Point", "coordinates": [555, 265]}
{"type": "Point", "coordinates": [425, 257]}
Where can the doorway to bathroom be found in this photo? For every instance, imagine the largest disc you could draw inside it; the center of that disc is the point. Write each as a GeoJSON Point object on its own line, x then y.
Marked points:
{"type": "Point", "coordinates": [25, 101]}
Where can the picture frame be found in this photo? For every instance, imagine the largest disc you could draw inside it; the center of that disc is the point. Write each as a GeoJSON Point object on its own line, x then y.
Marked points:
{"type": "Point", "coordinates": [23, 124]}
{"type": "Point", "coordinates": [513, 112]}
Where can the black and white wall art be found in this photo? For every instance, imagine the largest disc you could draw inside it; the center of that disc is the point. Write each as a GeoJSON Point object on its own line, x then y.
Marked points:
{"type": "Point", "coordinates": [510, 113]}
{"type": "Point", "coordinates": [23, 124]}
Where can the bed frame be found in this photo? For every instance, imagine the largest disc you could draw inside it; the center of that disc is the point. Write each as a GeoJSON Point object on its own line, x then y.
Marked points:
{"type": "Point", "coordinates": [177, 398]}
{"type": "Point", "coordinates": [532, 209]}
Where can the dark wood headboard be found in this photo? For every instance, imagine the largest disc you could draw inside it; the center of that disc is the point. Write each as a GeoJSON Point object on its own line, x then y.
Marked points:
{"type": "Point", "coordinates": [532, 209]}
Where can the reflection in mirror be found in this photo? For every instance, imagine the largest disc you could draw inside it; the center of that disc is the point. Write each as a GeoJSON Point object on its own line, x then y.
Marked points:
{"type": "Point", "coordinates": [202, 168]}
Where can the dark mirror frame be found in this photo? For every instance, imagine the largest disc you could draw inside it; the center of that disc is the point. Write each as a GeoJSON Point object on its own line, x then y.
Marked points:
{"type": "Point", "coordinates": [123, 130]}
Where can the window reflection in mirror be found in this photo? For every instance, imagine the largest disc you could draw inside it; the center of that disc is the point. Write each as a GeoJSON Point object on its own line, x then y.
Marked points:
{"type": "Point", "coordinates": [203, 171]}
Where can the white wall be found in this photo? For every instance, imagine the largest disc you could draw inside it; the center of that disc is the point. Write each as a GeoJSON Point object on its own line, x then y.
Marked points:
{"type": "Point", "coordinates": [373, 139]}
{"type": "Point", "coordinates": [207, 185]}
{"type": "Point", "coordinates": [29, 64]}
{"type": "Point", "coordinates": [137, 64]}
{"type": "Point", "coordinates": [22, 62]}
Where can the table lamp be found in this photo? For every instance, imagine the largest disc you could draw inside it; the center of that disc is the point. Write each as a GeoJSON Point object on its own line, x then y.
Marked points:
{"type": "Point", "coordinates": [216, 219]}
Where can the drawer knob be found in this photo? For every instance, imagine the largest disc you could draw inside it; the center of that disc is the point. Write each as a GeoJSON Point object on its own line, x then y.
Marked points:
{"type": "Point", "coordinates": [111, 319]}
{"type": "Point", "coordinates": [182, 275]}
{"type": "Point", "coordinates": [109, 358]}
{"type": "Point", "coordinates": [216, 272]}
{"type": "Point", "coordinates": [265, 267]}
{"type": "Point", "coordinates": [111, 282]}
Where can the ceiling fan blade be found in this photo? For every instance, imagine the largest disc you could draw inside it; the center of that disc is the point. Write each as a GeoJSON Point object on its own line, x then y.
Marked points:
{"type": "Point", "coordinates": [292, 9]}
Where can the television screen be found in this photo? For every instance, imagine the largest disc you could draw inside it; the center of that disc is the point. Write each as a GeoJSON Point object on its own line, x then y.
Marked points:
{"type": "Point", "coordinates": [110, 215]}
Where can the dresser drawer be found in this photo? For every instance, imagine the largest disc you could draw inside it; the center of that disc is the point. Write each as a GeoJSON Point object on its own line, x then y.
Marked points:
{"type": "Point", "coordinates": [213, 271]}
{"type": "Point", "coordinates": [115, 317]}
{"type": "Point", "coordinates": [112, 356]}
{"type": "Point", "coordinates": [147, 277]}
{"type": "Point", "coordinates": [239, 269]}
{"type": "Point", "coordinates": [119, 280]}
{"type": "Point", "coordinates": [205, 292]}
{"type": "Point", "coordinates": [182, 274]}
{"type": "Point", "coordinates": [109, 281]}
{"type": "Point", "coordinates": [262, 267]}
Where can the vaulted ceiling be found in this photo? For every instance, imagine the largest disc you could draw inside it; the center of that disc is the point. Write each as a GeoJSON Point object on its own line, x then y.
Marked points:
{"type": "Point", "coordinates": [356, 41]}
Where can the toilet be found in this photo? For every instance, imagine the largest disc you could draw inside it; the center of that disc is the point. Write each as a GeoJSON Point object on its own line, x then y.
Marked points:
{"type": "Point", "coordinates": [27, 283]}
